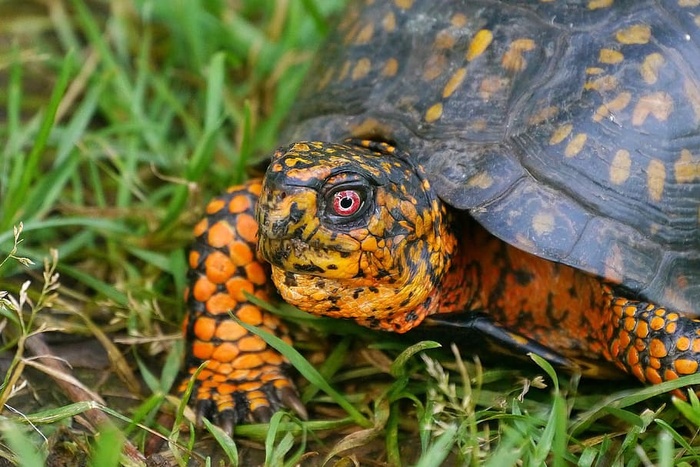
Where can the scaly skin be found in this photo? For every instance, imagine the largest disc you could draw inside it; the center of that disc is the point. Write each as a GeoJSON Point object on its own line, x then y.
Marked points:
{"type": "Point", "coordinates": [355, 231]}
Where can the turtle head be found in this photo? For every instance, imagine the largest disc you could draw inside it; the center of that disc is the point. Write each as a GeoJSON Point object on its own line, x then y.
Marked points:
{"type": "Point", "coordinates": [353, 231]}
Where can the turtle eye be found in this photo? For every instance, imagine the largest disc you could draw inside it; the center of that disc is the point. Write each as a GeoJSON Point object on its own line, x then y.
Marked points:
{"type": "Point", "coordinates": [345, 203]}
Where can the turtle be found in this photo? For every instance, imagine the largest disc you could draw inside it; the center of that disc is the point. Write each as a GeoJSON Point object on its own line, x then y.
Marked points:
{"type": "Point", "coordinates": [526, 169]}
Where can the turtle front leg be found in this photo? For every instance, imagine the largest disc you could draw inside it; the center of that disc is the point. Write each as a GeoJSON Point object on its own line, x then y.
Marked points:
{"type": "Point", "coordinates": [244, 378]}
{"type": "Point", "coordinates": [650, 342]}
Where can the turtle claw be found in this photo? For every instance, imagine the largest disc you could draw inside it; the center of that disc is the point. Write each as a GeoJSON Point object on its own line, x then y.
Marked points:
{"type": "Point", "coordinates": [290, 399]}
{"type": "Point", "coordinates": [262, 414]}
{"type": "Point", "coordinates": [227, 421]}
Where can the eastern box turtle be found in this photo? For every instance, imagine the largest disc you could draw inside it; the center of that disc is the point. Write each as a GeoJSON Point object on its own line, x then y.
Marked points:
{"type": "Point", "coordinates": [534, 165]}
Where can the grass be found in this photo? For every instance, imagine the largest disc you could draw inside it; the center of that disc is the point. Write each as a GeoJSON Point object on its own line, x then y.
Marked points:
{"type": "Point", "coordinates": [119, 120]}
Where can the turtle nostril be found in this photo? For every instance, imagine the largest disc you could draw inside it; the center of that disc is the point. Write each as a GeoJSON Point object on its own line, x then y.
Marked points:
{"type": "Point", "coordinates": [281, 195]}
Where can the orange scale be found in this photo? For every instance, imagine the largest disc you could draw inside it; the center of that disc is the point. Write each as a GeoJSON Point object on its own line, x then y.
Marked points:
{"type": "Point", "coordinates": [224, 389]}
{"type": "Point", "coordinates": [255, 188]}
{"type": "Point", "coordinates": [203, 289]}
{"type": "Point", "coordinates": [193, 259]}
{"type": "Point", "coordinates": [273, 358]}
{"type": "Point", "coordinates": [248, 361]}
{"type": "Point", "coordinates": [230, 331]}
{"type": "Point", "coordinates": [238, 204]}
{"type": "Point", "coordinates": [657, 323]}
{"type": "Point", "coordinates": [220, 303]}
{"type": "Point", "coordinates": [219, 267]}
{"type": "Point", "coordinates": [657, 348]}
{"type": "Point", "coordinates": [215, 206]}
{"type": "Point", "coordinates": [236, 287]}
{"type": "Point", "coordinates": [201, 227]}
{"type": "Point", "coordinates": [247, 227]}
{"type": "Point", "coordinates": [653, 376]}
{"type": "Point", "coordinates": [256, 273]}
{"type": "Point", "coordinates": [241, 253]}
{"type": "Point", "coordinates": [225, 352]}
{"type": "Point", "coordinates": [220, 234]}
{"type": "Point", "coordinates": [685, 366]}
{"type": "Point", "coordinates": [251, 344]}
{"type": "Point", "coordinates": [632, 357]}
{"type": "Point", "coordinates": [202, 350]}
{"type": "Point", "coordinates": [683, 343]}
{"type": "Point", "coordinates": [250, 314]}
{"type": "Point", "coordinates": [205, 328]}
{"type": "Point", "coordinates": [670, 375]}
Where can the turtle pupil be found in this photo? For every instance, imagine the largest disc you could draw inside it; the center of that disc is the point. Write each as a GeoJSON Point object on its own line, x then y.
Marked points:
{"type": "Point", "coordinates": [346, 202]}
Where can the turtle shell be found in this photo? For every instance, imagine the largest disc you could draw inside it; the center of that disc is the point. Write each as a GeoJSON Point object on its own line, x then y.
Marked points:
{"type": "Point", "coordinates": [568, 129]}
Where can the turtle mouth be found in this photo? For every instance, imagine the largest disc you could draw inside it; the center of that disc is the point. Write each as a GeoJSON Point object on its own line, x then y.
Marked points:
{"type": "Point", "coordinates": [293, 254]}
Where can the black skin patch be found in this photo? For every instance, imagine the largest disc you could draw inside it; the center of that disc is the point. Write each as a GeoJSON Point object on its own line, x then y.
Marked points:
{"type": "Point", "coordinates": [523, 278]}
{"type": "Point", "coordinates": [332, 267]}
{"type": "Point", "coordinates": [309, 268]}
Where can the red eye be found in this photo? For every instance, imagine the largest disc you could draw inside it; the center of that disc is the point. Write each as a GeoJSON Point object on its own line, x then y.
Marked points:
{"type": "Point", "coordinates": [346, 202]}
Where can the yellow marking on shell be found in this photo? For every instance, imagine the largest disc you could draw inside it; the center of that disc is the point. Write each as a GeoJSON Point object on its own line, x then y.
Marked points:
{"type": "Point", "coordinates": [514, 59]}
{"type": "Point", "coordinates": [481, 180]}
{"type": "Point", "coordinates": [658, 104]}
{"type": "Point", "coordinates": [404, 4]}
{"type": "Point", "coordinates": [688, 3]}
{"type": "Point", "coordinates": [620, 167]}
{"type": "Point", "coordinates": [561, 133]}
{"type": "Point", "coordinates": [650, 67]}
{"type": "Point", "coordinates": [610, 56]}
{"type": "Point", "coordinates": [361, 69]}
{"type": "Point", "coordinates": [391, 67]}
{"type": "Point", "coordinates": [389, 22]}
{"type": "Point", "coordinates": [433, 113]}
{"type": "Point", "coordinates": [364, 36]}
{"type": "Point", "coordinates": [543, 223]}
{"type": "Point", "coordinates": [543, 115]}
{"type": "Point", "coordinates": [594, 70]}
{"type": "Point", "coordinates": [480, 42]}
{"type": "Point", "coordinates": [596, 4]}
{"type": "Point", "coordinates": [687, 168]}
{"type": "Point", "coordinates": [656, 178]}
{"type": "Point", "coordinates": [602, 84]}
{"type": "Point", "coordinates": [692, 92]}
{"type": "Point", "coordinates": [454, 82]}
{"type": "Point", "coordinates": [458, 20]}
{"type": "Point", "coordinates": [635, 34]}
{"type": "Point", "coordinates": [608, 108]}
{"type": "Point", "coordinates": [575, 145]}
